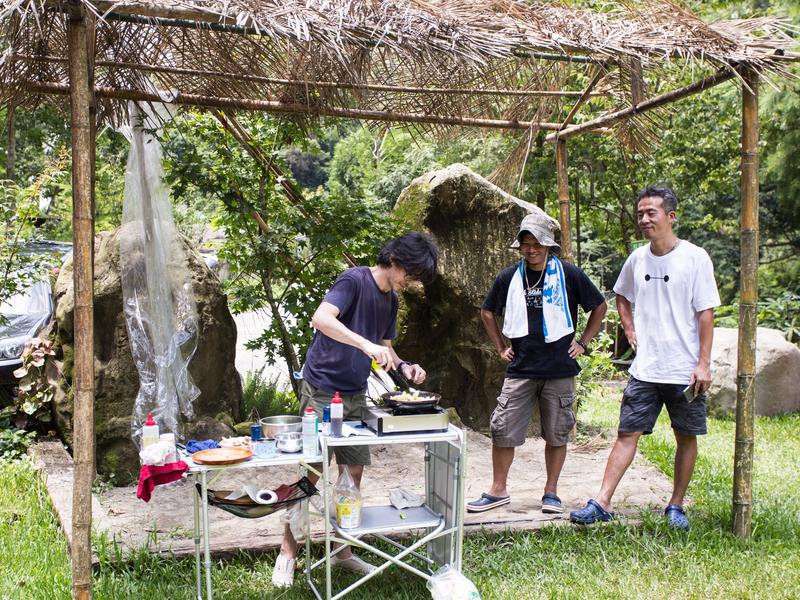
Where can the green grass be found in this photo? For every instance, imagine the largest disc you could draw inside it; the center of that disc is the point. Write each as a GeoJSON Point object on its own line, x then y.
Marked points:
{"type": "Point", "coordinates": [616, 561]}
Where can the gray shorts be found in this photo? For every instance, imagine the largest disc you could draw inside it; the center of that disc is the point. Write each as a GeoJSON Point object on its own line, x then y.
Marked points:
{"type": "Point", "coordinates": [353, 410]}
{"type": "Point", "coordinates": [642, 402]}
{"type": "Point", "coordinates": [515, 405]}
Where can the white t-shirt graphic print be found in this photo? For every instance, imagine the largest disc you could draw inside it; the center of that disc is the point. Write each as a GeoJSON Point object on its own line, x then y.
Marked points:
{"type": "Point", "coordinates": [667, 292]}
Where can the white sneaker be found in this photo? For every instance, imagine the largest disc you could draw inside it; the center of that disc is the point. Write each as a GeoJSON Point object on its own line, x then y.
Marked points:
{"type": "Point", "coordinates": [352, 563]}
{"type": "Point", "coordinates": [283, 573]}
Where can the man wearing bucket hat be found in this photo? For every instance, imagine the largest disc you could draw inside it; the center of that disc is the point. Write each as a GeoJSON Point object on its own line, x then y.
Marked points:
{"type": "Point", "coordinates": [538, 298]}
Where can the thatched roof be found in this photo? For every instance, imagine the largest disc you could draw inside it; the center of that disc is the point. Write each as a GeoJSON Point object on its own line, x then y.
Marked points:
{"type": "Point", "coordinates": [498, 60]}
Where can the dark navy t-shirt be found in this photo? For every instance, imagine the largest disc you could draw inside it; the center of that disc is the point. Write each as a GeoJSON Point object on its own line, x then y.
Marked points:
{"type": "Point", "coordinates": [364, 309]}
{"type": "Point", "coordinates": [533, 357]}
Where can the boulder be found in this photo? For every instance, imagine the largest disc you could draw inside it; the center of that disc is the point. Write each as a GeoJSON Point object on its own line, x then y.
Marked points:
{"type": "Point", "coordinates": [777, 374]}
{"type": "Point", "coordinates": [116, 378]}
{"type": "Point", "coordinates": [474, 222]}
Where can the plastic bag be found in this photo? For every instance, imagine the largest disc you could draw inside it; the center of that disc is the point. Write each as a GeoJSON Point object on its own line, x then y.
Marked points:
{"type": "Point", "coordinates": [449, 583]}
{"type": "Point", "coordinates": [402, 498]}
{"type": "Point", "coordinates": [347, 500]}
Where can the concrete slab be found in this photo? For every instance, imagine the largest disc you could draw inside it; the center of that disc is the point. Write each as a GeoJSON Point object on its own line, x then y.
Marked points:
{"type": "Point", "coordinates": [165, 523]}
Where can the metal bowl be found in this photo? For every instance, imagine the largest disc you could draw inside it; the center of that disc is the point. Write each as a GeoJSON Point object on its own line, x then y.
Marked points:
{"type": "Point", "coordinates": [272, 426]}
{"type": "Point", "coordinates": [289, 441]}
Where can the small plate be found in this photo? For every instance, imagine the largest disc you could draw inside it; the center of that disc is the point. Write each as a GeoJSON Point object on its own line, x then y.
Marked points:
{"type": "Point", "coordinates": [221, 456]}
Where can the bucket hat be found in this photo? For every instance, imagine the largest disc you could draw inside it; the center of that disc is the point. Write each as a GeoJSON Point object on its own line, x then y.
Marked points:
{"type": "Point", "coordinates": [540, 226]}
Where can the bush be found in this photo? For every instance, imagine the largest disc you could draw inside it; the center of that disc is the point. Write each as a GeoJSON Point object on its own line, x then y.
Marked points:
{"type": "Point", "coordinates": [261, 397]}
{"type": "Point", "coordinates": [14, 443]}
{"type": "Point", "coordinates": [781, 312]}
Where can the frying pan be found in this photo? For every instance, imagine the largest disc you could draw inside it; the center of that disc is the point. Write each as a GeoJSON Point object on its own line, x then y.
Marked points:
{"type": "Point", "coordinates": [427, 400]}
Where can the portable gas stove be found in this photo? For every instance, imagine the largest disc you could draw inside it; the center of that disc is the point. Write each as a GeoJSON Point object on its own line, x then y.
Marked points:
{"type": "Point", "coordinates": [388, 421]}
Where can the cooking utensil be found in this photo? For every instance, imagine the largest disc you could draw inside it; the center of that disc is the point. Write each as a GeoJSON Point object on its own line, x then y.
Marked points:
{"type": "Point", "coordinates": [221, 456]}
{"type": "Point", "coordinates": [424, 400]}
{"type": "Point", "coordinates": [289, 441]}
{"type": "Point", "coordinates": [272, 426]}
{"type": "Point", "coordinates": [400, 380]}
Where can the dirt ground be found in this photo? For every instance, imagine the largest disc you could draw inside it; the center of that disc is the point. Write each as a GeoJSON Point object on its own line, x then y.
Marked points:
{"type": "Point", "coordinates": [165, 524]}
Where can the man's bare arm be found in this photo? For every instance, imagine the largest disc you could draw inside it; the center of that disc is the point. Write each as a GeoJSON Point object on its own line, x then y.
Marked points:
{"type": "Point", "coordinates": [701, 378]}
{"type": "Point", "coordinates": [493, 329]}
{"type": "Point", "coordinates": [625, 311]}
{"type": "Point", "coordinates": [325, 320]}
{"type": "Point", "coordinates": [592, 327]}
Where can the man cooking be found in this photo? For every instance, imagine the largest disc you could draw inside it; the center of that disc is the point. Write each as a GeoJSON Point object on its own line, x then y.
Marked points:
{"type": "Point", "coordinates": [538, 298]}
{"type": "Point", "coordinates": [355, 324]}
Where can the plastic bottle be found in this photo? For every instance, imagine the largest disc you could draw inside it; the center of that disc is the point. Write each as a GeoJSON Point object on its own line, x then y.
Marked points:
{"type": "Point", "coordinates": [310, 440]}
{"type": "Point", "coordinates": [149, 431]}
{"type": "Point", "coordinates": [347, 499]}
{"type": "Point", "coordinates": [169, 439]}
{"type": "Point", "coordinates": [337, 415]}
{"type": "Point", "coordinates": [326, 420]}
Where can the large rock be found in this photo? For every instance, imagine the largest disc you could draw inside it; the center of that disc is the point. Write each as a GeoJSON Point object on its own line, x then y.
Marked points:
{"type": "Point", "coordinates": [116, 379]}
{"type": "Point", "coordinates": [474, 222]}
{"type": "Point", "coordinates": [777, 372]}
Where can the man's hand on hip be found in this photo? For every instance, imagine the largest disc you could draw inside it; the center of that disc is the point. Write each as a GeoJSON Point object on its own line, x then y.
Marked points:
{"type": "Point", "coordinates": [507, 354]}
{"type": "Point", "coordinates": [575, 349]}
{"type": "Point", "coordinates": [701, 379]}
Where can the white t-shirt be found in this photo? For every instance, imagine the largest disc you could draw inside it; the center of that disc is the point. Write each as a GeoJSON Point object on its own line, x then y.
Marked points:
{"type": "Point", "coordinates": [667, 292]}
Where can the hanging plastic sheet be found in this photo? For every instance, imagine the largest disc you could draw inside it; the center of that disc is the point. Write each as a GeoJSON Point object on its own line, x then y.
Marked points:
{"type": "Point", "coordinates": [157, 294]}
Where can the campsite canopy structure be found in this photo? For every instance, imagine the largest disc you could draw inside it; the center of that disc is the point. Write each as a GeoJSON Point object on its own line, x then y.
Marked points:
{"type": "Point", "coordinates": [436, 64]}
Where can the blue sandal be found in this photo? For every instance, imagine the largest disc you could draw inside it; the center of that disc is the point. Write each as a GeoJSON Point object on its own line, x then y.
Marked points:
{"type": "Point", "coordinates": [552, 504]}
{"type": "Point", "coordinates": [676, 517]}
{"type": "Point", "coordinates": [591, 513]}
{"type": "Point", "coordinates": [487, 502]}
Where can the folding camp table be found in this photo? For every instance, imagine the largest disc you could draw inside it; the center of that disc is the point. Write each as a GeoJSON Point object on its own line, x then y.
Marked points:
{"type": "Point", "coordinates": [200, 473]}
{"type": "Point", "coordinates": [441, 518]}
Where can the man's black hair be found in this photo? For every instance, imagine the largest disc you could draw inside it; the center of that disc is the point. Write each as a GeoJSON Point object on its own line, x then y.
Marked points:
{"type": "Point", "coordinates": [415, 252]}
{"type": "Point", "coordinates": [669, 201]}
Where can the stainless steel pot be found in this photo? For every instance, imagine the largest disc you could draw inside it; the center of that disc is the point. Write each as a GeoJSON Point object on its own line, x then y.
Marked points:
{"type": "Point", "coordinates": [272, 426]}
{"type": "Point", "coordinates": [289, 441]}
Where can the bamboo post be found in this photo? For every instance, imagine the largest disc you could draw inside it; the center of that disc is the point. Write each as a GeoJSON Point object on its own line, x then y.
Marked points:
{"type": "Point", "coordinates": [83, 242]}
{"type": "Point", "coordinates": [748, 297]}
{"type": "Point", "coordinates": [563, 199]}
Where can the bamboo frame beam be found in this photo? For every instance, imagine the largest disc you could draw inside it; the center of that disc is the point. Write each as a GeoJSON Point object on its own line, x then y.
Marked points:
{"type": "Point", "coordinates": [654, 102]}
{"type": "Point", "coordinates": [585, 95]}
{"type": "Point", "coordinates": [314, 84]}
{"type": "Point", "coordinates": [748, 320]}
{"type": "Point", "coordinates": [83, 277]}
{"type": "Point", "coordinates": [563, 200]}
{"type": "Point", "coordinates": [275, 106]}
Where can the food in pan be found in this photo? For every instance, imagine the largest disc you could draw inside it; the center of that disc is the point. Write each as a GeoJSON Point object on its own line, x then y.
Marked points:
{"type": "Point", "coordinates": [410, 397]}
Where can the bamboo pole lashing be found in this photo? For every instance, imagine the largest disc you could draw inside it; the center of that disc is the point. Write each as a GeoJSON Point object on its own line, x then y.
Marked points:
{"type": "Point", "coordinates": [748, 319]}
{"type": "Point", "coordinates": [83, 323]}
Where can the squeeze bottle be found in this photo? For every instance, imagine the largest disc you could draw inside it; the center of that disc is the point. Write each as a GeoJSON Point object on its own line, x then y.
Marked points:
{"type": "Point", "coordinates": [310, 444]}
{"type": "Point", "coordinates": [149, 431]}
{"type": "Point", "coordinates": [337, 415]}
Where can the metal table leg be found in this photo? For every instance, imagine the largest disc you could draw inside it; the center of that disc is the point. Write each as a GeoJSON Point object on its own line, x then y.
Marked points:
{"type": "Point", "coordinates": [206, 543]}
{"type": "Point", "coordinates": [198, 579]}
{"type": "Point", "coordinates": [325, 500]}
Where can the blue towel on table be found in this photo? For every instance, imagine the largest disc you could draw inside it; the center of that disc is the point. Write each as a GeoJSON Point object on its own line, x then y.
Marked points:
{"type": "Point", "coordinates": [193, 446]}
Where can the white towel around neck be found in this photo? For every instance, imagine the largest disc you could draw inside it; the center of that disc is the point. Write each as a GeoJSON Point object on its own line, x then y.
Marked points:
{"type": "Point", "coordinates": [556, 321]}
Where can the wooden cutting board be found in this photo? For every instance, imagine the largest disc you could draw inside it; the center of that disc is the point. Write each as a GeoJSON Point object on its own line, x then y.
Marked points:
{"type": "Point", "coordinates": [221, 456]}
